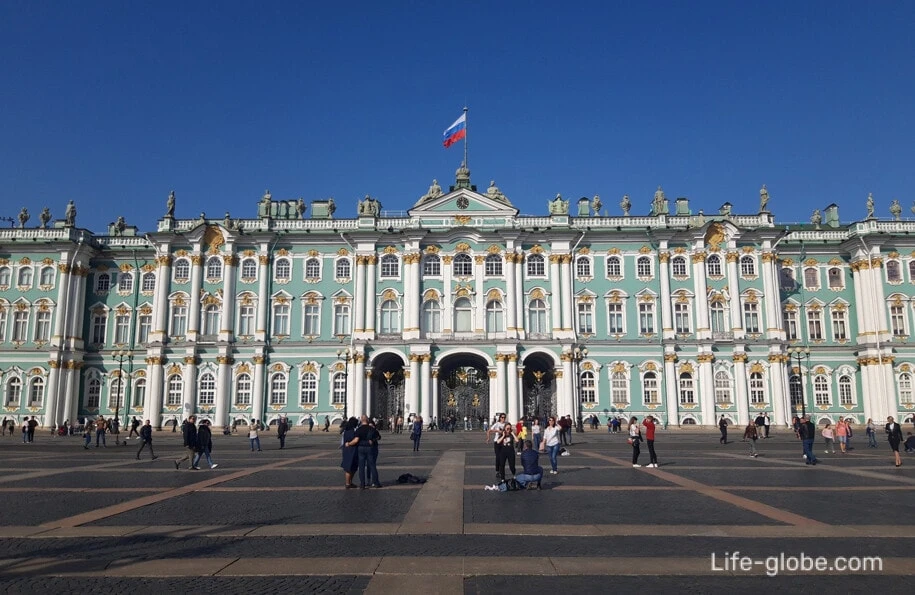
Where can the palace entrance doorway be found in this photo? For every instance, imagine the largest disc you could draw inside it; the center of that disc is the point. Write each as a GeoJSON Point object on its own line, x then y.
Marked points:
{"type": "Point", "coordinates": [464, 390]}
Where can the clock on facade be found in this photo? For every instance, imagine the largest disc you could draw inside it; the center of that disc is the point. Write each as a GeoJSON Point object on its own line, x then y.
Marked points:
{"type": "Point", "coordinates": [462, 202]}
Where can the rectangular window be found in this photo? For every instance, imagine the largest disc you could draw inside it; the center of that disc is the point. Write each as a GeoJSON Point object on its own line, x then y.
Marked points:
{"type": "Point", "coordinates": [814, 325]}
{"type": "Point", "coordinates": [751, 317]}
{"type": "Point", "coordinates": [144, 325]}
{"type": "Point", "coordinates": [341, 319]}
{"type": "Point", "coordinates": [20, 326]}
{"type": "Point", "coordinates": [281, 320]}
{"type": "Point", "coordinates": [682, 325]}
{"type": "Point", "coordinates": [650, 388]}
{"type": "Point", "coordinates": [615, 319]}
{"type": "Point", "coordinates": [839, 330]}
{"type": "Point", "coordinates": [821, 390]}
{"type": "Point", "coordinates": [897, 321]}
{"type": "Point", "coordinates": [121, 329]}
{"type": "Point", "coordinates": [790, 319]}
{"type": "Point", "coordinates": [99, 325]}
{"type": "Point", "coordinates": [585, 318]}
{"type": "Point", "coordinates": [312, 320]}
{"type": "Point", "coordinates": [246, 321]}
{"type": "Point", "coordinates": [687, 390]}
{"type": "Point", "coordinates": [179, 321]}
{"type": "Point", "coordinates": [646, 319]}
{"type": "Point", "coordinates": [42, 326]}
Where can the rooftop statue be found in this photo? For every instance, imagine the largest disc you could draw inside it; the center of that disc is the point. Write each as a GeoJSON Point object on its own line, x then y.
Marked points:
{"type": "Point", "coordinates": [870, 205]}
{"type": "Point", "coordinates": [369, 207]}
{"type": "Point", "coordinates": [45, 217]}
{"type": "Point", "coordinates": [23, 217]}
{"type": "Point", "coordinates": [816, 218]}
{"type": "Point", "coordinates": [170, 205]}
{"type": "Point", "coordinates": [494, 193]}
{"type": "Point", "coordinates": [763, 199]}
{"type": "Point", "coordinates": [596, 204]}
{"type": "Point", "coordinates": [434, 192]}
{"type": "Point", "coordinates": [625, 204]}
{"type": "Point", "coordinates": [265, 204]}
{"type": "Point", "coordinates": [558, 206]}
{"type": "Point", "coordinates": [659, 204]}
{"type": "Point", "coordinates": [895, 210]}
{"type": "Point", "coordinates": [300, 208]}
{"type": "Point", "coordinates": [725, 209]}
{"type": "Point", "coordinates": [70, 215]}
{"type": "Point", "coordinates": [119, 226]}
{"type": "Point", "coordinates": [227, 221]}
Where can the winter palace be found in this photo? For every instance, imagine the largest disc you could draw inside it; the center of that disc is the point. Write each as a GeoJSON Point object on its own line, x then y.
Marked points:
{"type": "Point", "coordinates": [460, 306]}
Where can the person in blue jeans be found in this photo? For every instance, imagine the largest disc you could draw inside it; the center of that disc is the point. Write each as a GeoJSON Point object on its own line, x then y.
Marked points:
{"type": "Point", "coordinates": [552, 443]}
{"type": "Point", "coordinates": [532, 472]}
{"type": "Point", "coordinates": [808, 433]}
{"type": "Point", "coordinates": [416, 432]}
{"type": "Point", "coordinates": [364, 439]}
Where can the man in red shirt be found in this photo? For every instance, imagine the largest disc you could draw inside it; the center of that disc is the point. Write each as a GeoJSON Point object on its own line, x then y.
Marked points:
{"type": "Point", "coordinates": [649, 424]}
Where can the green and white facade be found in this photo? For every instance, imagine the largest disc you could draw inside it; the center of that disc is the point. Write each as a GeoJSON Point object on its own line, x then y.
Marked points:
{"type": "Point", "coordinates": [462, 306]}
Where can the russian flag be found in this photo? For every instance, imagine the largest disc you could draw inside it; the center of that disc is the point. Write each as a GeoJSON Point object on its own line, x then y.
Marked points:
{"type": "Point", "coordinates": [456, 131]}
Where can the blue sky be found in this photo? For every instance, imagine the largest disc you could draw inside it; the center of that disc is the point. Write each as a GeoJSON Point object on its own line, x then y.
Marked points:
{"type": "Point", "coordinates": [114, 104]}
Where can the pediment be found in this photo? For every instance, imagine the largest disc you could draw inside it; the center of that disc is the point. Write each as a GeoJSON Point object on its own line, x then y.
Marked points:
{"type": "Point", "coordinates": [463, 202]}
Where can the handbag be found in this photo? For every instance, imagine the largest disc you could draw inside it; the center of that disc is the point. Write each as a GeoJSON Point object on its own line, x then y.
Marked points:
{"type": "Point", "coordinates": [629, 441]}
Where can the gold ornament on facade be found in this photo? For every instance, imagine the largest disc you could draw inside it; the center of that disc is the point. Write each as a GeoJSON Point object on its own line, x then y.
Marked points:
{"type": "Point", "coordinates": [432, 249]}
{"type": "Point", "coordinates": [462, 247]}
{"type": "Point", "coordinates": [447, 259]}
{"type": "Point", "coordinates": [259, 359]}
{"type": "Point", "coordinates": [25, 260]}
{"type": "Point", "coordinates": [190, 359]}
{"type": "Point", "coordinates": [462, 219]}
{"type": "Point", "coordinates": [769, 257]}
{"type": "Point", "coordinates": [714, 235]}
{"type": "Point", "coordinates": [613, 251]}
{"type": "Point", "coordinates": [664, 257]}
{"type": "Point", "coordinates": [705, 358]}
{"type": "Point", "coordinates": [311, 298]}
{"type": "Point", "coordinates": [644, 250]}
{"type": "Point", "coordinates": [282, 252]}
{"type": "Point", "coordinates": [557, 374]}
{"type": "Point", "coordinates": [462, 292]}
{"type": "Point", "coordinates": [679, 250]}
{"type": "Point", "coordinates": [757, 368]}
{"type": "Point", "coordinates": [389, 294]}
{"type": "Point", "coordinates": [536, 249]}
{"type": "Point", "coordinates": [225, 360]}
{"type": "Point", "coordinates": [263, 259]}
{"type": "Point", "coordinates": [566, 258]}
{"type": "Point", "coordinates": [173, 369]}
{"type": "Point", "coordinates": [811, 262]}
{"type": "Point", "coordinates": [479, 259]}
{"type": "Point", "coordinates": [63, 268]}
{"type": "Point", "coordinates": [230, 260]}
{"type": "Point", "coordinates": [732, 257]}
{"type": "Point", "coordinates": [389, 250]}
{"type": "Point", "coordinates": [698, 257]}
{"type": "Point", "coordinates": [686, 368]}
{"type": "Point", "coordinates": [555, 259]}
{"type": "Point", "coordinates": [243, 369]}
{"type": "Point", "coordinates": [670, 357]}
{"type": "Point", "coordinates": [584, 250]}
{"type": "Point", "coordinates": [430, 294]}
{"type": "Point", "coordinates": [124, 268]}
{"type": "Point", "coordinates": [493, 294]}
{"type": "Point", "coordinates": [277, 367]}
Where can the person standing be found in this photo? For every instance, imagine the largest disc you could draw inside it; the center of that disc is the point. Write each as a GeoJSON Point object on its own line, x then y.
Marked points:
{"type": "Point", "coordinates": [760, 425]}
{"type": "Point", "coordinates": [282, 427]}
{"type": "Point", "coordinates": [536, 430]}
{"type": "Point", "coordinates": [33, 423]}
{"type": "Point", "coordinates": [766, 423]}
{"type": "Point", "coordinates": [416, 432]}
{"type": "Point", "coordinates": [842, 434]}
{"type": "Point", "coordinates": [894, 437]}
{"type": "Point", "coordinates": [326, 424]}
{"type": "Point", "coordinates": [494, 433]}
{"type": "Point", "coordinates": [750, 434]}
{"type": "Point", "coordinates": [552, 443]}
{"type": "Point", "coordinates": [87, 433]}
{"type": "Point", "coordinates": [25, 431]}
{"type": "Point", "coordinates": [204, 446]}
{"type": "Point", "coordinates": [145, 435]}
{"type": "Point", "coordinates": [848, 434]}
{"type": "Point", "coordinates": [506, 451]}
{"type": "Point", "coordinates": [134, 426]}
{"type": "Point", "coordinates": [363, 440]}
{"type": "Point", "coordinates": [311, 423]}
{"type": "Point", "coordinates": [531, 471]}
{"type": "Point", "coordinates": [376, 438]}
{"type": "Point", "coordinates": [723, 428]}
{"type": "Point", "coordinates": [828, 436]}
{"type": "Point", "coordinates": [650, 427]}
{"type": "Point", "coordinates": [871, 431]}
{"type": "Point", "coordinates": [253, 438]}
{"type": "Point", "coordinates": [100, 427]}
{"type": "Point", "coordinates": [635, 437]}
{"type": "Point", "coordinates": [350, 458]}
{"type": "Point", "coordinates": [189, 433]}
{"type": "Point", "coordinates": [807, 432]}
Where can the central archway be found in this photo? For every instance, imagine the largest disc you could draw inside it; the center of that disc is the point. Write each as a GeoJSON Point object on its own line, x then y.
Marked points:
{"type": "Point", "coordinates": [539, 386]}
{"type": "Point", "coordinates": [463, 389]}
{"type": "Point", "coordinates": [387, 389]}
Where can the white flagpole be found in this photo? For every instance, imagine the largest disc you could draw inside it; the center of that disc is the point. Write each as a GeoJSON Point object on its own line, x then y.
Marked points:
{"type": "Point", "coordinates": [465, 138]}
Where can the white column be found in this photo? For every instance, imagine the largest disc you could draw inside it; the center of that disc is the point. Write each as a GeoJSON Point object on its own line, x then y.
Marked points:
{"type": "Point", "coordinates": [412, 388]}
{"type": "Point", "coordinates": [771, 302]}
{"type": "Point", "coordinates": [435, 398]}
{"type": "Point", "coordinates": [479, 294]}
{"type": "Point", "coordinates": [740, 389]}
{"type": "Point", "coordinates": [227, 326]}
{"type": "Point", "coordinates": [52, 407]}
{"type": "Point", "coordinates": [667, 324]}
{"type": "Point", "coordinates": [257, 410]}
{"type": "Point", "coordinates": [61, 311]}
{"type": "Point", "coordinates": [263, 299]}
{"type": "Point", "coordinates": [703, 330]}
{"type": "Point", "coordinates": [160, 302]}
{"type": "Point", "coordinates": [511, 378]}
{"type": "Point", "coordinates": [568, 300]}
{"type": "Point", "coordinates": [70, 379]}
{"type": "Point", "coordinates": [706, 389]}
{"type": "Point", "coordinates": [359, 298]}
{"type": "Point", "coordinates": [778, 374]}
{"type": "Point", "coordinates": [556, 297]}
{"type": "Point", "coordinates": [152, 408]}
{"type": "Point", "coordinates": [223, 389]}
{"type": "Point", "coordinates": [189, 404]}
{"type": "Point", "coordinates": [358, 393]}
{"type": "Point", "coordinates": [371, 298]}
{"type": "Point", "coordinates": [511, 295]}
{"type": "Point", "coordinates": [519, 295]}
{"type": "Point", "coordinates": [734, 295]}
{"type": "Point", "coordinates": [193, 324]}
{"type": "Point", "coordinates": [447, 316]}
{"type": "Point", "coordinates": [497, 398]}
{"type": "Point", "coordinates": [425, 394]}
{"type": "Point", "coordinates": [671, 389]}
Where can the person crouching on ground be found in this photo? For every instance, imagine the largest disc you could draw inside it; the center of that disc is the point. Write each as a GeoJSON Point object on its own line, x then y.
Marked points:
{"type": "Point", "coordinates": [531, 472]}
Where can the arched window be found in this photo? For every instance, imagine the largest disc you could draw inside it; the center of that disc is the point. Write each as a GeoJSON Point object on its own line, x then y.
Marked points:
{"type": "Point", "coordinates": [747, 266]}
{"type": "Point", "coordinates": [149, 283]}
{"type": "Point", "coordinates": [432, 265]}
{"type": "Point", "coordinates": [125, 282]}
{"type": "Point", "coordinates": [47, 276]}
{"type": "Point", "coordinates": [495, 317]}
{"type": "Point", "coordinates": [174, 390]}
{"type": "Point", "coordinates": [493, 265]}
{"type": "Point", "coordinates": [5, 276]}
{"type": "Point", "coordinates": [282, 269]}
{"type": "Point", "coordinates": [821, 389]}
{"type": "Point", "coordinates": [93, 393]}
{"type": "Point", "coordinates": [713, 265]}
{"type": "Point", "coordinates": [619, 389]}
{"type": "Point", "coordinates": [723, 388]}
{"type": "Point", "coordinates": [678, 266]}
{"type": "Point", "coordinates": [893, 271]}
{"type": "Point", "coordinates": [431, 320]}
{"type": "Point", "coordinates": [211, 320]}
{"type": "Point", "coordinates": [835, 278]}
{"type": "Point", "coordinates": [536, 265]}
{"type": "Point", "coordinates": [243, 389]}
{"type": "Point", "coordinates": [14, 392]}
{"type": "Point", "coordinates": [757, 389]}
{"type": "Point", "coordinates": [249, 269]}
{"type": "Point", "coordinates": [650, 393]}
{"type": "Point", "coordinates": [643, 266]}
{"type": "Point", "coordinates": [102, 282]}
{"type": "Point", "coordinates": [583, 266]}
{"type": "Point", "coordinates": [687, 389]}
{"type": "Point", "coordinates": [206, 393]}
{"type": "Point", "coordinates": [588, 392]}
{"type": "Point", "coordinates": [182, 270]}
{"type": "Point", "coordinates": [339, 384]}
{"type": "Point", "coordinates": [796, 391]}
{"type": "Point", "coordinates": [905, 388]}
{"type": "Point", "coordinates": [278, 389]}
{"type": "Point", "coordinates": [614, 267]}
{"type": "Point", "coordinates": [463, 315]}
{"type": "Point", "coordinates": [811, 278]}
{"type": "Point", "coordinates": [536, 318]}
{"type": "Point", "coordinates": [309, 389]}
{"type": "Point", "coordinates": [214, 268]}
{"type": "Point", "coordinates": [846, 396]}
{"type": "Point", "coordinates": [312, 269]}
{"type": "Point", "coordinates": [462, 265]}
{"type": "Point", "coordinates": [343, 268]}
{"type": "Point", "coordinates": [390, 318]}
{"type": "Point", "coordinates": [390, 266]}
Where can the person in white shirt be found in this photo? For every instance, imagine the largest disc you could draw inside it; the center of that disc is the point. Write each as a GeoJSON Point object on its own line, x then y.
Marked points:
{"type": "Point", "coordinates": [552, 443]}
{"type": "Point", "coordinates": [494, 433]}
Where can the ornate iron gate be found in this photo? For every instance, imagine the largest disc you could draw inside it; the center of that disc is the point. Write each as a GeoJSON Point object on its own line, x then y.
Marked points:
{"type": "Point", "coordinates": [540, 397]}
{"type": "Point", "coordinates": [465, 393]}
{"type": "Point", "coordinates": [388, 397]}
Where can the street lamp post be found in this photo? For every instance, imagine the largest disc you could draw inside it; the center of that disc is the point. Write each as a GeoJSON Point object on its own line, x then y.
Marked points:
{"type": "Point", "coordinates": [119, 355]}
{"type": "Point", "coordinates": [801, 354]}
{"type": "Point", "coordinates": [344, 355]}
{"type": "Point", "coordinates": [579, 354]}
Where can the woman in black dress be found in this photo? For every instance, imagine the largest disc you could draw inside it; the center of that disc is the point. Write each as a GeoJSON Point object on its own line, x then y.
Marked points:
{"type": "Point", "coordinates": [350, 460]}
{"type": "Point", "coordinates": [894, 436]}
